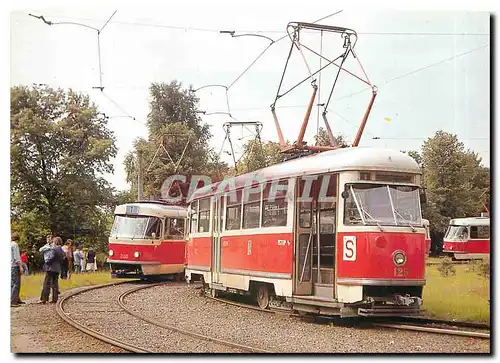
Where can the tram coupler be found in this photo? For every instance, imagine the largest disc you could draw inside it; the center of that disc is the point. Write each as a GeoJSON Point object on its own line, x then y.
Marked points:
{"type": "Point", "coordinates": [407, 300]}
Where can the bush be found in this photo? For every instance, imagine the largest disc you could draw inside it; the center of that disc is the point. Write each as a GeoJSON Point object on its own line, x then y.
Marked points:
{"type": "Point", "coordinates": [473, 265]}
{"type": "Point", "coordinates": [446, 267]}
{"type": "Point", "coordinates": [484, 268]}
{"type": "Point", "coordinates": [101, 260]}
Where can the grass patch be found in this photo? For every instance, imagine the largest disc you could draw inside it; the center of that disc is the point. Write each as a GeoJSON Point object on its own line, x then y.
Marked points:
{"type": "Point", "coordinates": [31, 286]}
{"type": "Point", "coordinates": [463, 296]}
{"type": "Point", "coordinates": [434, 259]}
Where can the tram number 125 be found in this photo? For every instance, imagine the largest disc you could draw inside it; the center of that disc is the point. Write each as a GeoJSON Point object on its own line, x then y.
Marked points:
{"type": "Point", "coordinates": [400, 272]}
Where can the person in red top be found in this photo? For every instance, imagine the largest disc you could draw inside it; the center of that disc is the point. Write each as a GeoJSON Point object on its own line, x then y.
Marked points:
{"type": "Point", "coordinates": [24, 261]}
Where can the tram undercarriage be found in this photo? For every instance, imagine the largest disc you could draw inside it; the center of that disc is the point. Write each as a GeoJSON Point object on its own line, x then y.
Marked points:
{"type": "Point", "coordinates": [377, 300]}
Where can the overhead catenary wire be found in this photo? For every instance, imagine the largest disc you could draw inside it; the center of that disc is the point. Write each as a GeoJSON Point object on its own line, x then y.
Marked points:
{"type": "Point", "coordinates": [98, 31]}
{"type": "Point", "coordinates": [268, 31]}
{"type": "Point", "coordinates": [273, 42]}
{"type": "Point", "coordinates": [414, 71]}
{"type": "Point", "coordinates": [121, 108]}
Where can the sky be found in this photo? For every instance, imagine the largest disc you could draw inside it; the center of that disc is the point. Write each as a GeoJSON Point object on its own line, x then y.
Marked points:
{"type": "Point", "coordinates": [431, 68]}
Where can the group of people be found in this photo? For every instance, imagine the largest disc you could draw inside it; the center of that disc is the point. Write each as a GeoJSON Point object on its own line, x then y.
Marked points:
{"type": "Point", "coordinates": [59, 260]}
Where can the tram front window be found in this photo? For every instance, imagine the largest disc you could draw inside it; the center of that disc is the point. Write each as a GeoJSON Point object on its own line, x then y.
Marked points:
{"type": "Point", "coordinates": [459, 233]}
{"type": "Point", "coordinates": [136, 227]}
{"type": "Point", "coordinates": [378, 204]}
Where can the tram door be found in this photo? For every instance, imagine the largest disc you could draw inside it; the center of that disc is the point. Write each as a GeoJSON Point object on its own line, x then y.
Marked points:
{"type": "Point", "coordinates": [216, 235]}
{"type": "Point", "coordinates": [304, 241]}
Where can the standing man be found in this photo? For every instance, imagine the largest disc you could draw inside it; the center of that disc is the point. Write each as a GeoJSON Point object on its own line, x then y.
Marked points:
{"type": "Point", "coordinates": [52, 268]}
{"type": "Point", "coordinates": [91, 262]}
{"type": "Point", "coordinates": [16, 269]}
{"type": "Point", "coordinates": [77, 257]}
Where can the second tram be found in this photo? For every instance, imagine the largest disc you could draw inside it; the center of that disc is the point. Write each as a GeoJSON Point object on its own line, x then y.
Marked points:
{"type": "Point", "coordinates": [147, 240]}
{"type": "Point", "coordinates": [468, 238]}
{"type": "Point", "coordinates": [335, 233]}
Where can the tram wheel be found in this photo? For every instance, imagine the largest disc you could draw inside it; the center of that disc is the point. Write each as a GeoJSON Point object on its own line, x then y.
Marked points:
{"type": "Point", "coordinates": [263, 296]}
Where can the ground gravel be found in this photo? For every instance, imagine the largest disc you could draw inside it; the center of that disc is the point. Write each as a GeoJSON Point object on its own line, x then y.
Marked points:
{"type": "Point", "coordinates": [184, 307]}
{"type": "Point", "coordinates": [38, 329]}
{"type": "Point", "coordinates": [99, 310]}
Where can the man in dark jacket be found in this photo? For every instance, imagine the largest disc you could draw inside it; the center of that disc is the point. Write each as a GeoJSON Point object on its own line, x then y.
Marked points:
{"type": "Point", "coordinates": [52, 268]}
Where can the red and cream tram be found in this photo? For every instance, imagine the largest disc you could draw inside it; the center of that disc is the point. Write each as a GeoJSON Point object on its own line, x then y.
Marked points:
{"type": "Point", "coordinates": [336, 233]}
{"type": "Point", "coordinates": [468, 238]}
{"type": "Point", "coordinates": [146, 240]}
{"type": "Point", "coordinates": [426, 225]}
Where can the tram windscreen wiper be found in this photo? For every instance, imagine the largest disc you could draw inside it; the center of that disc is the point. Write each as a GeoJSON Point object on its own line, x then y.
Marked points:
{"type": "Point", "coordinates": [405, 220]}
{"type": "Point", "coordinates": [363, 211]}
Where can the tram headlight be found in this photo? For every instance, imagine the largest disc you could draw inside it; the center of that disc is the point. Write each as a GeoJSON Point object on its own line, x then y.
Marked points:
{"type": "Point", "coordinates": [399, 258]}
{"type": "Point", "coordinates": [110, 253]}
{"type": "Point", "coordinates": [137, 254]}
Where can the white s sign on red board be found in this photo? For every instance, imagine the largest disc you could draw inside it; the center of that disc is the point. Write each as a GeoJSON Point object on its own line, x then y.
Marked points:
{"type": "Point", "coordinates": [349, 250]}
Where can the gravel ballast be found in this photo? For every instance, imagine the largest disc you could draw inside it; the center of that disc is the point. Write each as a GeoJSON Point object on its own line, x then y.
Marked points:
{"type": "Point", "coordinates": [37, 328]}
{"type": "Point", "coordinates": [99, 310]}
{"type": "Point", "coordinates": [184, 307]}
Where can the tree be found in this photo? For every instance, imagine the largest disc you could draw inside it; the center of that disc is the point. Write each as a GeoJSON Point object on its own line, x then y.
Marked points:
{"type": "Point", "coordinates": [177, 141]}
{"type": "Point", "coordinates": [258, 155]}
{"type": "Point", "coordinates": [415, 155]}
{"type": "Point", "coordinates": [455, 181]}
{"type": "Point", "coordinates": [322, 139]}
{"type": "Point", "coordinates": [60, 147]}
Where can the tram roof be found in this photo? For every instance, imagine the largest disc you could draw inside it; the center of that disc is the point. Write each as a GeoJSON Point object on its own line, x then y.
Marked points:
{"type": "Point", "coordinates": [470, 221]}
{"type": "Point", "coordinates": [343, 159]}
{"type": "Point", "coordinates": [153, 209]}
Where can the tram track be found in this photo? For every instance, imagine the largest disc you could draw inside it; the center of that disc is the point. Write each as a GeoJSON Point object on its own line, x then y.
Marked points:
{"type": "Point", "coordinates": [126, 346]}
{"type": "Point", "coordinates": [427, 329]}
{"type": "Point", "coordinates": [418, 324]}
{"type": "Point", "coordinates": [247, 348]}
{"type": "Point", "coordinates": [64, 315]}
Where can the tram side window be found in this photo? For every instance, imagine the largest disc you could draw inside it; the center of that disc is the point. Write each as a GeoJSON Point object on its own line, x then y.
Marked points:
{"type": "Point", "coordinates": [154, 226]}
{"type": "Point", "coordinates": [351, 211]}
{"type": "Point", "coordinates": [194, 217]}
{"type": "Point", "coordinates": [275, 210]}
{"type": "Point", "coordinates": [479, 232]}
{"type": "Point", "coordinates": [233, 210]}
{"type": "Point", "coordinates": [175, 228]}
{"type": "Point", "coordinates": [251, 208]}
{"type": "Point", "coordinates": [204, 215]}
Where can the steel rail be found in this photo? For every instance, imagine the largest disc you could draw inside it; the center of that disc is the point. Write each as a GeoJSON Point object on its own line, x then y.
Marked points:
{"type": "Point", "coordinates": [122, 304]}
{"type": "Point", "coordinates": [472, 334]}
{"type": "Point", "coordinates": [388, 325]}
{"type": "Point", "coordinates": [464, 324]}
{"type": "Point", "coordinates": [102, 337]}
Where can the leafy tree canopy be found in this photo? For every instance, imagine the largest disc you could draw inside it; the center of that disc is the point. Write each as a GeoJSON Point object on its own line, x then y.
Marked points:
{"type": "Point", "coordinates": [456, 182]}
{"type": "Point", "coordinates": [177, 141]}
{"type": "Point", "coordinates": [322, 139]}
{"type": "Point", "coordinates": [60, 148]}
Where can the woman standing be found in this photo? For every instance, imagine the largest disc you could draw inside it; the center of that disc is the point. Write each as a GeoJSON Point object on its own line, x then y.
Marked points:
{"type": "Point", "coordinates": [64, 264]}
{"type": "Point", "coordinates": [24, 262]}
{"type": "Point", "coordinates": [69, 255]}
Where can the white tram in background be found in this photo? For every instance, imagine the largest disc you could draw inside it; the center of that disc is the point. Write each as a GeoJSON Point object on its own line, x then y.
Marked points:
{"type": "Point", "coordinates": [336, 233]}
{"type": "Point", "coordinates": [468, 238]}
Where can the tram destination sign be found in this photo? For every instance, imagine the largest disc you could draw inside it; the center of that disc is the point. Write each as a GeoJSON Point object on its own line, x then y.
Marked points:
{"type": "Point", "coordinates": [132, 209]}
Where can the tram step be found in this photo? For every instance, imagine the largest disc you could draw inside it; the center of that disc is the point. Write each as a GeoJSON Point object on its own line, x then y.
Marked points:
{"type": "Point", "coordinates": [217, 286]}
{"type": "Point", "coordinates": [386, 311]}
